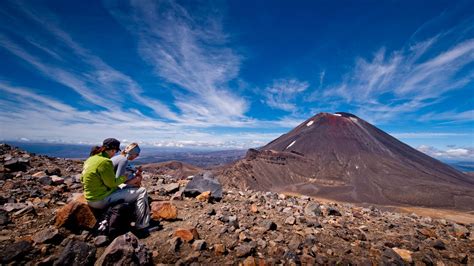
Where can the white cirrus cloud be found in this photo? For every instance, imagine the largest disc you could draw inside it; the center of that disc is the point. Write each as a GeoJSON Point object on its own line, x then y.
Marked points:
{"type": "Point", "coordinates": [190, 53]}
{"type": "Point", "coordinates": [37, 117]}
{"type": "Point", "coordinates": [452, 116]}
{"type": "Point", "coordinates": [460, 153]}
{"type": "Point", "coordinates": [283, 92]}
{"type": "Point", "coordinates": [405, 81]}
{"type": "Point", "coordinates": [416, 135]}
{"type": "Point", "coordinates": [69, 63]}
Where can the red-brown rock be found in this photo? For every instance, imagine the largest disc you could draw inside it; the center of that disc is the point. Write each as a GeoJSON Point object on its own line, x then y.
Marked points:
{"type": "Point", "coordinates": [163, 210]}
{"type": "Point", "coordinates": [76, 214]}
{"type": "Point", "coordinates": [187, 234]}
{"type": "Point", "coordinates": [204, 196]}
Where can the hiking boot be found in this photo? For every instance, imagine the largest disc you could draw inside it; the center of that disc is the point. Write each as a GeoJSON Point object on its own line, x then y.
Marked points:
{"type": "Point", "coordinates": [141, 233]}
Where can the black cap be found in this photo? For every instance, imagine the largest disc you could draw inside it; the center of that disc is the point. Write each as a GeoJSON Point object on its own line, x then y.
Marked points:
{"type": "Point", "coordinates": [111, 143]}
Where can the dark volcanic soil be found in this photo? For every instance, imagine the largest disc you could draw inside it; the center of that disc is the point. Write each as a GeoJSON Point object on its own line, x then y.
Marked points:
{"type": "Point", "coordinates": [342, 157]}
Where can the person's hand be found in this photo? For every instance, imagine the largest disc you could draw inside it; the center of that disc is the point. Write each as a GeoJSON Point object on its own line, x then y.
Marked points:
{"type": "Point", "coordinates": [136, 181]}
{"type": "Point", "coordinates": [138, 178]}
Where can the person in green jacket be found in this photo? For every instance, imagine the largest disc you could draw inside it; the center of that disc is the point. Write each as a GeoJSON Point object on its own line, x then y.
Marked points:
{"type": "Point", "coordinates": [101, 187]}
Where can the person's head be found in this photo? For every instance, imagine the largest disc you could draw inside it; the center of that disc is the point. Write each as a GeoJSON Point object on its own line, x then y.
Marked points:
{"type": "Point", "coordinates": [132, 151]}
{"type": "Point", "coordinates": [110, 146]}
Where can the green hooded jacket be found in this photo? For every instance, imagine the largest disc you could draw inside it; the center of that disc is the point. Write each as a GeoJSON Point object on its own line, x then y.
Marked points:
{"type": "Point", "coordinates": [98, 177]}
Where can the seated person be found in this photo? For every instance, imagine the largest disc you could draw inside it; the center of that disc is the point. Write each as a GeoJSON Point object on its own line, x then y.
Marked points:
{"type": "Point", "coordinates": [124, 167]}
{"type": "Point", "coordinates": [101, 187]}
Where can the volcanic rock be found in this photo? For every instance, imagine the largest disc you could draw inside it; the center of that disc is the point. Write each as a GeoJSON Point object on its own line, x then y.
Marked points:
{"type": "Point", "coordinates": [254, 208]}
{"type": "Point", "coordinates": [204, 196]}
{"type": "Point", "coordinates": [100, 241]}
{"type": "Point", "coordinates": [269, 225]}
{"type": "Point", "coordinates": [45, 180]}
{"type": "Point", "coordinates": [55, 171]}
{"type": "Point", "coordinates": [76, 215]}
{"type": "Point", "coordinates": [404, 254]}
{"type": "Point", "coordinates": [4, 218]}
{"type": "Point", "coordinates": [15, 251]}
{"type": "Point", "coordinates": [233, 221]}
{"type": "Point", "coordinates": [56, 180]}
{"type": "Point", "coordinates": [460, 231]}
{"type": "Point", "coordinates": [390, 257]}
{"type": "Point", "coordinates": [163, 210]}
{"type": "Point", "coordinates": [312, 210]}
{"type": "Point", "coordinates": [438, 244]}
{"type": "Point", "coordinates": [290, 220]}
{"type": "Point", "coordinates": [187, 235]}
{"type": "Point", "coordinates": [49, 235]}
{"type": "Point", "coordinates": [77, 253]}
{"type": "Point", "coordinates": [244, 250]}
{"type": "Point", "coordinates": [125, 250]}
{"type": "Point", "coordinates": [175, 243]}
{"type": "Point", "coordinates": [9, 207]}
{"type": "Point", "coordinates": [15, 165]}
{"type": "Point", "coordinates": [219, 249]}
{"type": "Point", "coordinates": [249, 261]}
{"type": "Point", "coordinates": [199, 245]}
{"type": "Point", "coordinates": [342, 157]}
{"type": "Point", "coordinates": [202, 183]}
{"type": "Point", "coordinates": [333, 212]}
{"type": "Point", "coordinates": [171, 188]}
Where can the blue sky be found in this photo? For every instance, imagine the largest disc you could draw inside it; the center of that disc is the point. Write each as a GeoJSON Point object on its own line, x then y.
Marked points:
{"type": "Point", "coordinates": [236, 74]}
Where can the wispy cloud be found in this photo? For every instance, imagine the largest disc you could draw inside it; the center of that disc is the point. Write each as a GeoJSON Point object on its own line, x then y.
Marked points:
{"type": "Point", "coordinates": [70, 64]}
{"type": "Point", "coordinates": [449, 116]}
{"type": "Point", "coordinates": [283, 92]}
{"type": "Point", "coordinates": [465, 153]}
{"type": "Point", "coordinates": [406, 80]}
{"type": "Point", "coordinates": [416, 135]}
{"type": "Point", "coordinates": [42, 118]}
{"type": "Point", "coordinates": [190, 53]}
{"type": "Point", "coordinates": [322, 74]}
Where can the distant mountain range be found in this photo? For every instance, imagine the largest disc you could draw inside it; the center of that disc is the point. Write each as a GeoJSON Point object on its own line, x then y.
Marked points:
{"type": "Point", "coordinates": [202, 158]}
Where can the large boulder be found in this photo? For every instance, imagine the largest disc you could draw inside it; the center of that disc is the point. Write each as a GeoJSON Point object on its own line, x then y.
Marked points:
{"type": "Point", "coordinates": [126, 250]}
{"type": "Point", "coordinates": [202, 183]}
{"type": "Point", "coordinates": [77, 253]}
{"type": "Point", "coordinates": [76, 215]}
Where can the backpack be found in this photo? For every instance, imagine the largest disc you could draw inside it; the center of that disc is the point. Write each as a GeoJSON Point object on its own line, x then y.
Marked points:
{"type": "Point", "coordinates": [116, 220]}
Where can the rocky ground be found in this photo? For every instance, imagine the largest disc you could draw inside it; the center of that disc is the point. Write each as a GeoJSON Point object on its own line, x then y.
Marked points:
{"type": "Point", "coordinates": [245, 227]}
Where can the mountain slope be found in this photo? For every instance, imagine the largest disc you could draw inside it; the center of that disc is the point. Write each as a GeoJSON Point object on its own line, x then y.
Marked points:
{"type": "Point", "coordinates": [342, 157]}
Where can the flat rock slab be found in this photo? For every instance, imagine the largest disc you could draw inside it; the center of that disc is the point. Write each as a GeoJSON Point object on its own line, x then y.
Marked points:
{"type": "Point", "coordinates": [171, 188]}
{"type": "Point", "coordinates": [49, 235]}
{"type": "Point", "coordinates": [9, 207]}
